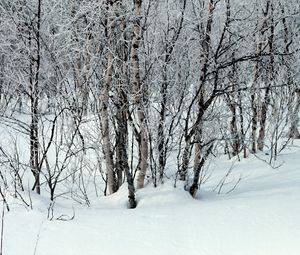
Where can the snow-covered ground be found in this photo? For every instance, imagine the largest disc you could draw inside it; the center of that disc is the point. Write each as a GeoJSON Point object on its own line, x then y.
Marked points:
{"type": "Point", "coordinates": [261, 216]}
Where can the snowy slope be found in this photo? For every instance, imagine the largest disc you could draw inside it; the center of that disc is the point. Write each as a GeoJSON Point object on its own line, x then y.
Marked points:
{"type": "Point", "coordinates": [259, 217]}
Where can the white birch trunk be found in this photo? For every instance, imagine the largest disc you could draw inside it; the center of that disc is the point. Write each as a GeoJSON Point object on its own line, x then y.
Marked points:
{"type": "Point", "coordinates": [138, 97]}
{"type": "Point", "coordinates": [104, 116]}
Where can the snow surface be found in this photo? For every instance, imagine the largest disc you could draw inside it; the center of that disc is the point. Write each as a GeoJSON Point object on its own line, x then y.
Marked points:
{"type": "Point", "coordinates": [261, 216]}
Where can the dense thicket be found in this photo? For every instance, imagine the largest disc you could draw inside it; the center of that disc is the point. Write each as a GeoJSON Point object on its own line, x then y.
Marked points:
{"type": "Point", "coordinates": [124, 88]}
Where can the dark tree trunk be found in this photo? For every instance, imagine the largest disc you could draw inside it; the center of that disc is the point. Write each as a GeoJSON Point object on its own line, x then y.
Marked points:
{"type": "Point", "coordinates": [34, 98]}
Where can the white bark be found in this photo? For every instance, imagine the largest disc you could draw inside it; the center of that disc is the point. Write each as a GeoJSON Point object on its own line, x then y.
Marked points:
{"type": "Point", "coordinates": [104, 116]}
{"type": "Point", "coordinates": [138, 97]}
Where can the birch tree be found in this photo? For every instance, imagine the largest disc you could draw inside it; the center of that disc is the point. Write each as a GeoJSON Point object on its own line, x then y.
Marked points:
{"type": "Point", "coordinates": [104, 101]}
{"type": "Point", "coordinates": [138, 96]}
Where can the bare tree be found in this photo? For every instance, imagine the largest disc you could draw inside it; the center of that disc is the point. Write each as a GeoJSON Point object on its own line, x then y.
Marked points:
{"type": "Point", "coordinates": [138, 96]}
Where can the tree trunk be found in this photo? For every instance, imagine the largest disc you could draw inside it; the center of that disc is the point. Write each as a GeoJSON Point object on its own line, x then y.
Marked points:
{"type": "Point", "coordinates": [294, 131]}
{"type": "Point", "coordinates": [266, 102]}
{"type": "Point", "coordinates": [121, 149]}
{"type": "Point", "coordinates": [138, 97]}
{"type": "Point", "coordinates": [2, 60]}
{"type": "Point", "coordinates": [34, 99]}
{"type": "Point", "coordinates": [204, 68]}
{"type": "Point", "coordinates": [294, 92]}
{"type": "Point", "coordinates": [104, 116]}
{"type": "Point", "coordinates": [254, 121]}
{"type": "Point", "coordinates": [197, 172]}
{"type": "Point", "coordinates": [232, 104]}
{"type": "Point", "coordinates": [241, 118]}
{"type": "Point", "coordinates": [234, 130]}
{"type": "Point", "coordinates": [185, 159]}
{"type": "Point", "coordinates": [161, 126]}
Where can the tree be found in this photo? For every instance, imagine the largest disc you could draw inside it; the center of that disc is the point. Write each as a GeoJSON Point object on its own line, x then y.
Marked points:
{"type": "Point", "coordinates": [138, 92]}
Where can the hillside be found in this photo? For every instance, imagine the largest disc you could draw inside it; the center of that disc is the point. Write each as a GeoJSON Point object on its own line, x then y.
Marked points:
{"type": "Point", "coordinates": [260, 216]}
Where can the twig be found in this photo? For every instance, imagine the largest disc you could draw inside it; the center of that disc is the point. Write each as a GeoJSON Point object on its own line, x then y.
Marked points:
{"type": "Point", "coordinates": [64, 217]}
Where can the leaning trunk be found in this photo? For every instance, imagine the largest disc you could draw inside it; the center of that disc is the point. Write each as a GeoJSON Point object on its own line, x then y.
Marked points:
{"type": "Point", "coordinates": [206, 44]}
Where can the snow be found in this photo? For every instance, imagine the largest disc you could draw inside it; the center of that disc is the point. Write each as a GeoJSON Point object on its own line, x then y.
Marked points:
{"type": "Point", "coordinates": [260, 216]}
